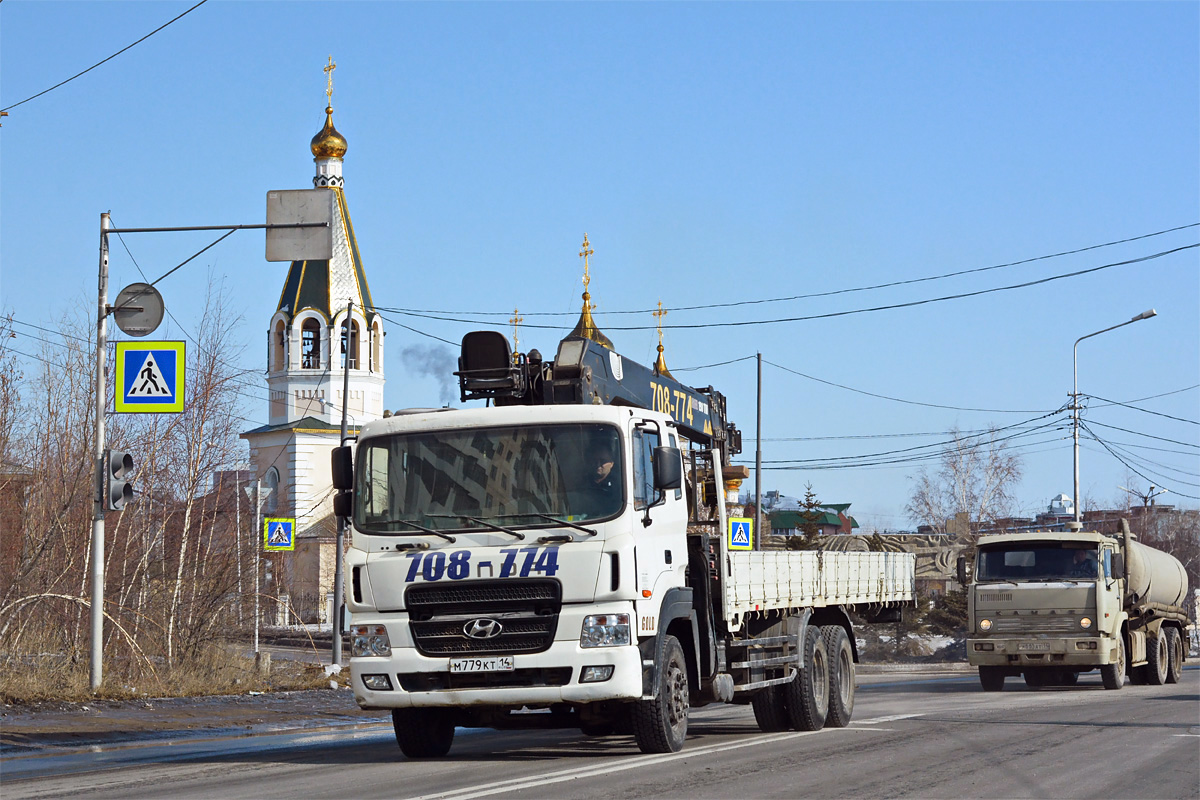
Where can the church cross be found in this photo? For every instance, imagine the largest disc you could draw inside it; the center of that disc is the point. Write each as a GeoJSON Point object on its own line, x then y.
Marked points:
{"type": "Point", "coordinates": [584, 253]}
{"type": "Point", "coordinates": [328, 70]}
{"type": "Point", "coordinates": [516, 321]}
{"type": "Point", "coordinates": [658, 315]}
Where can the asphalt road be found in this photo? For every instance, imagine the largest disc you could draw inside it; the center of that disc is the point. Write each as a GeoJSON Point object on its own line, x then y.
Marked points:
{"type": "Point", "coordinates": [913, 735]}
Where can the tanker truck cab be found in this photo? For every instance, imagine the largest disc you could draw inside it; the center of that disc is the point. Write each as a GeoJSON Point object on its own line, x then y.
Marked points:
{"type": "Point", "coordinates": [494, 551]}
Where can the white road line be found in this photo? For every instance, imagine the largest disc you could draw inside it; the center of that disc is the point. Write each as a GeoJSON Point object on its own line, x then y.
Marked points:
{"type": "Point", "coordinates": [892, 718]}
{"type": "Point", "coordinates": [517, 784]}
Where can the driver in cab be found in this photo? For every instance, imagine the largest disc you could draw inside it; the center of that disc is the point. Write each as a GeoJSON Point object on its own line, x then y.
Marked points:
{"type": "Point", "coordinates": [600, 494]}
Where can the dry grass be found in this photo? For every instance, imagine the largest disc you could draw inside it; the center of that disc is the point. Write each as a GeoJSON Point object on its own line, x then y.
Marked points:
{"type": "Point", "coordinates": [216, 670]}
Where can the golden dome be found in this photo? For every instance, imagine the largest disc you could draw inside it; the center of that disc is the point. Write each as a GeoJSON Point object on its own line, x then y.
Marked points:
{"type": "Point", "coordinates": [328, 143]}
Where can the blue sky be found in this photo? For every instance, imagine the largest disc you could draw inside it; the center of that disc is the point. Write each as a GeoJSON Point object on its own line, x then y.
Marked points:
{"type": "Point", "coordinates": [714, 153]}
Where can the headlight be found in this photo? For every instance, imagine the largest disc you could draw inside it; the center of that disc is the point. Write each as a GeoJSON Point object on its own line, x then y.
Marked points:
{"type": "Point", "coordinates": [605, 630]}
{"type": "Point", "coordinates": [369, 640]}
{"type": "Point", "coordinates": [985, 624]}
{"type": "Point", "coordinates": [1085, 623]}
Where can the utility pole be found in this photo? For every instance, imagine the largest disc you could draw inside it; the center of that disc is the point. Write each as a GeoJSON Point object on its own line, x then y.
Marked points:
{"type": "Point", "coordinates": [758, 460]}
{"type": "Point", "coordinates": [97, 627]}
{"type": "Point", "coordinates": [339, 570]}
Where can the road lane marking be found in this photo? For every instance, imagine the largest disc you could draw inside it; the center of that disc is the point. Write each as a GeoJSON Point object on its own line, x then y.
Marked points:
{"type": "Point", "coordinates": [892, 718]}
{"type": "Point", "coordinates": [518, 784]}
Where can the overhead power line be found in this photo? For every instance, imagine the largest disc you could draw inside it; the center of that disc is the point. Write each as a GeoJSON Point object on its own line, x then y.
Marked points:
{"type": "Point", "coordinates": [833, 292]}
{"type": "Point", "coordinates": [110, 58]}
{"type": "Point", "coordinates": [1147, 435]}
{"type": "Point", "coordinates": [830, 314]}
{"type": "Point", "coordinates": [1132, 468]}
{"type": "Point", "coordinates": [1145, 410]}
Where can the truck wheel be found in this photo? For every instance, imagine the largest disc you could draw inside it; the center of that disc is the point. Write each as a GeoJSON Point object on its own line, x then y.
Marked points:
{"type": "Point", "coordinates": [807, 697]}
{"type": "Point", "coordinates": [991, 678]}
{"type": "Point", "coordinates": [841, 676]}
{"type": "Point", "coordinates": [770, 710]}
{"type": "Point", "coordinates": [1175, 655]}
{"type": "Point", "coordinates": [1036, 677]}
{"type": "Point", "coordinates": [660, 725]}
{"type": "Point", "coordinates": [423, 732]}
{"type": "Point", "coordinates": [1113, 675]}
{"type": "Point", "coordinates": [1157, 659]}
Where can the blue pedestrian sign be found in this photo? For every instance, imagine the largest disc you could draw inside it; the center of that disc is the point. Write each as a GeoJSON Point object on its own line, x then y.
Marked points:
{"type": "Point", "coordinates": [741, 533]}
{"type": "Point", "coordinates": [150, 377]}
{"type": "Point", "coordinates": [279, 534]}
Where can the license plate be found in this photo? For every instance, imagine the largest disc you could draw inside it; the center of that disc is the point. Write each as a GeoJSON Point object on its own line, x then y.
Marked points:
{"type": "Point", "coordinates": [1035, 646]}
{"type": "Point", "coordinates": [493, 664]}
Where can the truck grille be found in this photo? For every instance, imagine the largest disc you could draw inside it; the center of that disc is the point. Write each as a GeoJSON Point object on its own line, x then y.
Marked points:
{"type": "Point", "coordinates": [524, 612]}
{"type": "Point", "coordinates": [1039, 624]}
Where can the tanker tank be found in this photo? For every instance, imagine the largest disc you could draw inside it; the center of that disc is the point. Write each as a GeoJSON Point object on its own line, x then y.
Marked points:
{"type": "Point", "coordinates": [1153, 577]}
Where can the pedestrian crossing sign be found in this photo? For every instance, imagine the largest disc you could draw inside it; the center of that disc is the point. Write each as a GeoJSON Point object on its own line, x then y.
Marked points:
{"type": "Point", "coordinates": [150, 377]}
{"type": "Point", "coordinates": [741, 533]}
{"type": "Point", "coordinates": [279, 534]}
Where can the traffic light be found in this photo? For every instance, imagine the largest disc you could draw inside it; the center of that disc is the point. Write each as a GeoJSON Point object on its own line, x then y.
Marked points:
{"type": "Point", "coordinates": [118, 466]}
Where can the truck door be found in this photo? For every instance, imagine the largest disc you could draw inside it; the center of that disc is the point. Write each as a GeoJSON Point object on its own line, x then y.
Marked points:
{"type": "Point", "coordinates": [661, 545]}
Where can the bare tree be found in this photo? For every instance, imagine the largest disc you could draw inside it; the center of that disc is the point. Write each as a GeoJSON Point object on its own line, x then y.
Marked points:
{"type": "Point", "coordinates": [974, 481]}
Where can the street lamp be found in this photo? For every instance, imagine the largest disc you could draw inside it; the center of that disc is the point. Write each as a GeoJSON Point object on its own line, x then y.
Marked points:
{"type": "Point", "coordinates": [1075, 393]}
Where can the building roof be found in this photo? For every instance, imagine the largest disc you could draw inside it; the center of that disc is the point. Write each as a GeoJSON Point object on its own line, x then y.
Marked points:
{"type": "Point", "coordinates": [303, 425]}
{"type": "Point", "coordinates": [829, 515]}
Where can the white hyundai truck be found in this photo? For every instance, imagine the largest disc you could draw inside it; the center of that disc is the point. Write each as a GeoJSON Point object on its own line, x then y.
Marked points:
{"type": "Point", "coordinates": [563, 558]}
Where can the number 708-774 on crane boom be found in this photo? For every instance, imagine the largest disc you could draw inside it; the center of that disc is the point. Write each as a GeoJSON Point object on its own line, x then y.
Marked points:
{"type": "Point", "coordinates": [562, 558]}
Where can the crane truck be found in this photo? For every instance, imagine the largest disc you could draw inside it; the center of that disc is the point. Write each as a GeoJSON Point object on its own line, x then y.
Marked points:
{"type": "Point", "coordinates": [564, 557]}
{"type": "Point", "coordinates": [1052, 605]}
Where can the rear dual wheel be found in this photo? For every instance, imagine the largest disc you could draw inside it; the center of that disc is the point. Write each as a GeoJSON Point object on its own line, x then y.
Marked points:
{"type": "Point", "coordinates": [1175, 655]}
{"type": "Point", "coordinates": [1158, 658]}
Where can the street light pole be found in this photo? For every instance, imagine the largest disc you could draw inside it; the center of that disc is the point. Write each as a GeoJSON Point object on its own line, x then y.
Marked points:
{"type": "Point", "coordinates": [100, 499]}
{"type": "Point", "coordinates": [1075, 393]}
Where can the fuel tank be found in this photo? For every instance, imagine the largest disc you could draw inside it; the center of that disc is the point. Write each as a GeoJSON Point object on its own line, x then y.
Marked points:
{"type": "Point", "coordinates": [1153, 576]}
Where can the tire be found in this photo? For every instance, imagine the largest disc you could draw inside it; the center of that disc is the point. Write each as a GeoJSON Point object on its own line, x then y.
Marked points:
{"type": "Point", "coordinates": [991, 678]}
{"type": "Point", "coordinates": [423, 732]}
{"type": "Point", "coordinates": [660, 725]}
{"type": "Point", "coordinates": [770, 710]}
{"type": "Point", "coordinates": [1158, 659]}
{"type": "Point", "coordinates": [841, 676]}
{"type": "Point", "coordinates": [807, 697]}
{"type": "Point", "coordinates": [1175, 655]}
{"type": "Point", "coordinates": [1113, 675]}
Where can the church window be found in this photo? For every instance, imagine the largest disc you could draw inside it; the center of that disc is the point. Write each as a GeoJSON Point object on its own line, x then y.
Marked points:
{"type": "Point", "coordinates": [271, 484]}
{"type": "Point", "coordinates": [278, 344]}
{"type": "Point", "coordinates": [352, 349]}
{"type": "Point", "coordinates": [310, 344]}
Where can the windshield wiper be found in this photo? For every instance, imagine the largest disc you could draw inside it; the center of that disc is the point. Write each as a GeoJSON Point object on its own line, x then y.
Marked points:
{"type": "Point", "coordinates": [482, 522]}
{"type": "Point", "coordinates": [422, 528]}
{"type": "Point", "coordinates": [563, 522]}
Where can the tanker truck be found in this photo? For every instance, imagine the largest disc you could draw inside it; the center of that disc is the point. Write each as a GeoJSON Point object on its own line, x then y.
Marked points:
{"type": "Point", "coordinates": [564, 557]}
{"type": "Point", "coordinates": [1051, 605]}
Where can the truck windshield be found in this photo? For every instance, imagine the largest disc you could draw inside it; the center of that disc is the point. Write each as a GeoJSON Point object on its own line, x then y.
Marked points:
{"type": "Point", "coordinates": [1037, 561]}
{"type": "Point", "coordinates": [441, 479]}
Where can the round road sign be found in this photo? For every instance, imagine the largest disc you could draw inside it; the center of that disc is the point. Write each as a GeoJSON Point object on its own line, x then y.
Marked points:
{"type": "Point", "coordinates": [138, 309]}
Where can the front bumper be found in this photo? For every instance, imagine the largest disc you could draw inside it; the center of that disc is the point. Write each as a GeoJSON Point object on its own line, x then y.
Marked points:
{"type": "Point", "coordinates": [539, 679]}
{"type": "Point", "coordinates": [1028, 651]}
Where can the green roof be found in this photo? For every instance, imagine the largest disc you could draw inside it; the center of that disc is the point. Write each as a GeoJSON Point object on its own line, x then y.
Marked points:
{"type": "Point", "coordinates": [784, 520]}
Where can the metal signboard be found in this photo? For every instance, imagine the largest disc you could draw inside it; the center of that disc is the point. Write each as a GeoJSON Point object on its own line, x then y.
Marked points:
{"type": "Point", "coordinates": [291, 206]}
{"type": "Point", "coordinates": [279, 534]}
{"type": "Point", "coordinates": [138, 310]}
{"type": "Point", "coordinates": [150, 377]}
{"type": "Point", "coordinates": [741, 533]}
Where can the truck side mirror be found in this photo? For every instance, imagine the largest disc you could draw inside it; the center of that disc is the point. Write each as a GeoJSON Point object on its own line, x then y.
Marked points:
{"type": "Point", "coordinates": [342, 466]}
{"type": "Point", "coordinates": [1118, 566]}
{"type": "Point", "coordinates": [668, 468]}
{"type": "Point", "coordinates": [962, 571]}
{"type": "Point", "coordinates": [343, 504]}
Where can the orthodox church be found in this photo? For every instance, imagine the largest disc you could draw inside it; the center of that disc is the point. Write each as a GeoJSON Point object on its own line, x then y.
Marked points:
{"type": "Point", "coordinates": [324, 326]}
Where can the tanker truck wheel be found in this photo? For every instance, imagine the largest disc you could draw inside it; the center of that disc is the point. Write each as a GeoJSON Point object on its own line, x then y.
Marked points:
{"type": "Point", "coordinates": [1158, 658]}
{"type": "Point", "coordinates": [841, 676]}
{"type": "Point", "coordinates": [991, 678]}
{"type": "Point", "coordinates": [807, 697]}
{"type": "Point", "coordinates": [1175, 655]}
{"type": "Point", "coordinates": [423, 732]}
{"type": "Point", "coordinates": [660, 725]}
{"type": "Point", "coordinates": [1113, 675]}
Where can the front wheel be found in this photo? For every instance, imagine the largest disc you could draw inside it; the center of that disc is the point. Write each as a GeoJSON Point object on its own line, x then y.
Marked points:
{"type": "Point", "coordinates": [991, 678]}
{"type": "Point", "coordinates": [1113, 675]}
{"type": "Point", "coordinates": [423, 732]}
{"type": "Point", "coordinates": [660, 725]}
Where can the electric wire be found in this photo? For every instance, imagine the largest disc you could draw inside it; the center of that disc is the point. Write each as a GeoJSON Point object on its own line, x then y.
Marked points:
{"type": "Point", "coordinates": [1140, 433]}
{"type": "Point", "coordinates": [836, 291]}
{"type": "Point", "coordinates": [1134, 470]}
{"type": "Point", "coordinates": [1144, 410]}
{"type": "Point", "coordinates": [110, 58]}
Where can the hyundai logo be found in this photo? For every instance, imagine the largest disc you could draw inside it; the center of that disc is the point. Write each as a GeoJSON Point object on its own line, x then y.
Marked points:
{"type": "Point", "coordinates": [483, 628]}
